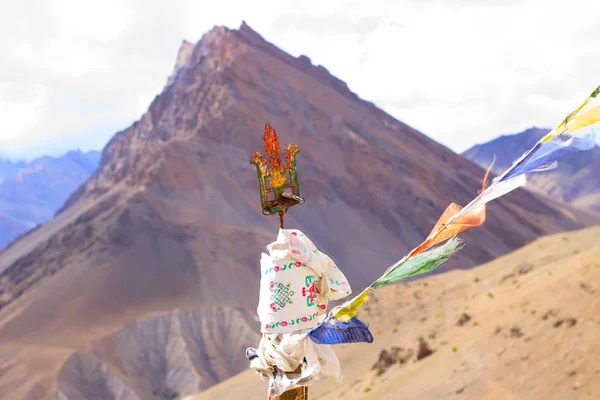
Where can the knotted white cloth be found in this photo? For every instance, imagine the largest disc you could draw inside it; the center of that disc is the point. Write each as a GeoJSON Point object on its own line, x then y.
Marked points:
{"type": "Point", "coordinates": [279, 355]}
{"type": "Point", "coordinates": [297, 283]}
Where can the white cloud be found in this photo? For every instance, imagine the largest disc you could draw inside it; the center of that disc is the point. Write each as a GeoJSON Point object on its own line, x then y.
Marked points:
{"type": "Point", "coordinates": [72, 73]}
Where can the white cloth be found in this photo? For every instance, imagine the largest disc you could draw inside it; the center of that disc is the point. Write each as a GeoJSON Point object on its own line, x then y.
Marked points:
{"type": "Point", "coordinates": [279, 355]}
{"type": "Point", "coordinates": [297, 282]}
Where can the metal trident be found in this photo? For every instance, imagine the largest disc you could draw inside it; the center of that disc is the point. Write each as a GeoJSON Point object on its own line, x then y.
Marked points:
{"type": "Point", "coordinates": [278, 185]}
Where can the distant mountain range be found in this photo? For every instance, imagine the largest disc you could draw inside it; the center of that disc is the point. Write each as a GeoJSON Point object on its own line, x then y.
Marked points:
{"type": "Point", "coordinates": [575, 181]}
{"type": "Point", "coordinates": [32, 192]}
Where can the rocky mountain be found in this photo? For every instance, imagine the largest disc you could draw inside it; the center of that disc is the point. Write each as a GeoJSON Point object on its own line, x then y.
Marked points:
{"type": "Point", "coordinates": [31, 193]}
{"type": "Point", "coordinates": [159, 248]}
{"type": "Point", "coordinates": [9, 169]}
{"type": "Point", "coordinates": [576, 181]}
{"type": "Point", "coordinates": [525, 326]}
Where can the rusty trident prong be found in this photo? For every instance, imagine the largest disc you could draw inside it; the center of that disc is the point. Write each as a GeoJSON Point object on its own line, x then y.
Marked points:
{"type": "Point", "coordinates": [278, 185]}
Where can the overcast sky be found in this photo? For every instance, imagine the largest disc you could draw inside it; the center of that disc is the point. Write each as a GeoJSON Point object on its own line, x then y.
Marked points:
{"type": "Point", "coordinates": [74, 72]}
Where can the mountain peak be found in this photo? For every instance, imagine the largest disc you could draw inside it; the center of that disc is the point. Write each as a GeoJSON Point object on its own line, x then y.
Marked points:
{"type": "Point", "coordinates": [184, 53]}
{"type": "Point", "coordinates": [534, 132]}
{"type": "Point", "coordinates": [183, 57]}
{"type": "Point", "coordinates": [248, 32]}
{"type": "Point", "coordinates": [302, 62]}
{"type": "Point", "coordinates": [227, 67]}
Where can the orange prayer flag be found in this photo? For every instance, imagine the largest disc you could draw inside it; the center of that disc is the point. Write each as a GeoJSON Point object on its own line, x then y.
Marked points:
{"type": "Point", "coordinates": [441, 231]}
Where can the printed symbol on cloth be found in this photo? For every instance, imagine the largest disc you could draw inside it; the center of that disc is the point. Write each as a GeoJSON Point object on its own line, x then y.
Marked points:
{"type": "Point", "coordinates": [297, 321]}
{"type": "Point", "coordinates": [281, 295]}
{"type": "Point", "coordinates": [310, 290]}
{"type": "Point", "coordinates": [337, 282]}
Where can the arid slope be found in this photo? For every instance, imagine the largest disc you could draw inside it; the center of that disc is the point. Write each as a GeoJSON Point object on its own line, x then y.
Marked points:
{"type": "Point", "coordinates": [533, 333]}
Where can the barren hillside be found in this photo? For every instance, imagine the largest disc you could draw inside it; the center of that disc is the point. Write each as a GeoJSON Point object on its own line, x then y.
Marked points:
{"type": "Point", "coordinates": [525, 326]}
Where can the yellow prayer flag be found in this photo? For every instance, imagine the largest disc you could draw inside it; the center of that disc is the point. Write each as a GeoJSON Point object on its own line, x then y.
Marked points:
{"type": "Point", "coordinates": [586, 114]}
{"type": "Point", "coordinates": [349, 309]}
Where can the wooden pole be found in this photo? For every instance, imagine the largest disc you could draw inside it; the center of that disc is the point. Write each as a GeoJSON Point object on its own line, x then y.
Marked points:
{"type": "Point", "coordinates": [300, 393]}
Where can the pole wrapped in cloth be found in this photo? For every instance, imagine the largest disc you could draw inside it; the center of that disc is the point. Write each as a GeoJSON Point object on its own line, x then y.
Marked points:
{"type": "Point", "coordinates": [280, 355]}
{"type": "Point", "coordinates": [297, 283]}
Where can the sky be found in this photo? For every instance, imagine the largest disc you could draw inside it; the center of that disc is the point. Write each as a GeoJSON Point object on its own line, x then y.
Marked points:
{"type": "Point", "coordinates": [75, 72]}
